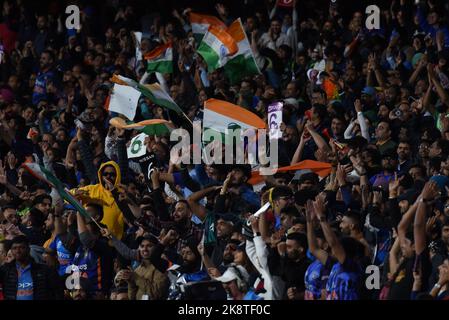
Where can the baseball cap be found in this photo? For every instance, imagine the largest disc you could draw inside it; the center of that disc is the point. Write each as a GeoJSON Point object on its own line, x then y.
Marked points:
{"type": "Point", "coordinates": [233, 273]}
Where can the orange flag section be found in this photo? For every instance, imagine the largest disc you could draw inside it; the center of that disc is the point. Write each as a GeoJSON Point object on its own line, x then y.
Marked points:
{"type": "Point", "coordinates": [320, 168]}
{"type": "Point", "coordinates": [156, 52]}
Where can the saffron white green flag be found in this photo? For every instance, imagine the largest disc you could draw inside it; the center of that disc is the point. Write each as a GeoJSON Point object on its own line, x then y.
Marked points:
{"type": "Point", "coordinates": [200, 24]}
{"type": "Point", "coordinates": [224, 117]}
{"type": "Point", "coordinates": [152, 91]}
{"type": "Point", "coordinates": [45, 175]}
{"type": "Point", "coordinates": [241, 63]}
{"type": "Point", "coordinates": [215, 47]}
{"type": "Point", "coordinates": [160, 59]}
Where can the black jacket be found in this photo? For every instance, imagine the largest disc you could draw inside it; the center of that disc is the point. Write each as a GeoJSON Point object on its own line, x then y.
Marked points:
{"type": "Point", "coordinates": [46, 283]}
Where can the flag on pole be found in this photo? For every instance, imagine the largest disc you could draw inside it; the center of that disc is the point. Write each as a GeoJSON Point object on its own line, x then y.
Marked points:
{"type": "Point", "coordinates": [124, 100]}
{"type": "Point", "coordinates": [160, 59]}
{"type": "Point", "coordinates": [43, 174]}
{"type": "Point", "coordinates": [152, 91]}
{"type": "Point", "coordinates": [216, 45]}
{"type": "Point", "coordinates": [200, 24]}
{"type": "Point", "coordinates": [241, 63]}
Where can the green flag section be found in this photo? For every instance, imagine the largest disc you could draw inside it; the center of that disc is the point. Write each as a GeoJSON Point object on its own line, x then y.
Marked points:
{"type": "Point", "coordinates": [210, 235]}
{"type": "Point", "coordinates": [160, 59]}
{"type": "Point", "coordinates": [152, 127]}
{"type": "Point", "coordinates": [43, 174]}
{"type": "Point", "coordinates": [216, 45]}
{"type": "Point", "coordinates": [152, 91]}
{"type": "Point", "coordinates": [200, 24]}
{"type": "Point", "coordinates": [242, 63]}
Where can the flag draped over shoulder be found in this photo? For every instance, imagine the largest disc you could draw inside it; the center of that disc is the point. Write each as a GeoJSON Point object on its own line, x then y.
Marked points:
{"type": "Point", "coordinates": [241, 63]}
{"type": "Point", "coordinates": [152, 91]}
{"type": "Point", "coordinates": [216, 45]}
{"type": "Point", "coordinates": [200, 24]}
{"type": "Point", "coordinates": [45, 175]}
{"type": "Point", "coordinates": [160, 59]}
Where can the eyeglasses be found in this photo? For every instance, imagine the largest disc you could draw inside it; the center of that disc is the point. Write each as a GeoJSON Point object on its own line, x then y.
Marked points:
{"type": "Point", "coordinates": [286, 198]}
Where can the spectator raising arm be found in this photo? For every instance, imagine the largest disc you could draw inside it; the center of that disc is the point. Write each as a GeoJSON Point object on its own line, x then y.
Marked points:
{"type": "Point", "coordinates": [329, 234]}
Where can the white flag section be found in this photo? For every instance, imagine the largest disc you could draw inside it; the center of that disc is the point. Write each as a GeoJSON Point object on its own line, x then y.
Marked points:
{"type": "Point", "coordinates": [138, 37]}
{"type": "Point", "coordinates": [275, 120]}
{"type": "Point", "coordinates": [124, 100]}
{"type": "Point", "coordinates": [137, 147]}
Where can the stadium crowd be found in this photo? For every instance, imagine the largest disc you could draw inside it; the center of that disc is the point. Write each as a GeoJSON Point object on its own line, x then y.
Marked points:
{"type": "Point", "coordinates": [371, 103]}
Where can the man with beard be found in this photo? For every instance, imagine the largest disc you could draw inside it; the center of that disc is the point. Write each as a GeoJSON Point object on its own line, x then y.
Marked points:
{"type": "Point", "coordinates": [235, 282]}
{"type": "Point", "coordinates": [224, 230]}
{"type": "Point", "coordinates": [45, 75]}
{"type": "Point", "coordinates": [23, 279]}
{"type": "Point", "coordinates": [404, 157]}
{"type": "Point", "coordinates": [383, 136]}
{"type": "Point", "coordinates": [147, 279]}
{"type": "Point", "coordinates": [293, 263]}
{"type": "Point", "coordinates": [181, 215]}
{"type": "Point", "coordinates": [441, 251]}
{"type": "Point", "coordinates": [190, 268]}
{"type": "Point", "coordinates": [382, 179]}
{"type": "Point", "coordinates": [350, 226]}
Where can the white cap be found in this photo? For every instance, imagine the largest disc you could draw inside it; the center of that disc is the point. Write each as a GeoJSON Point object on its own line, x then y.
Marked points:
{"type": "Point", "coordinates": [232, 274]}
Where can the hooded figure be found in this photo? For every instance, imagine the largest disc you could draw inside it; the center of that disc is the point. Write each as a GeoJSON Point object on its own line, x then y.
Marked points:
{"type": "Point", "coordinates": [99, 193]}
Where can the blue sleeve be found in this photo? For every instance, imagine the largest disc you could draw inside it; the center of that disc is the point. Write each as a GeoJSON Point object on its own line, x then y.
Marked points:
{"type": "Point", "coordinates": [201, 176]}
{"type": "Point", "coordinates": [422, 21]}
{"type": "Point", "coordinates": [346, 194]}
{"type": "Point", "coordinates": [251, 197]}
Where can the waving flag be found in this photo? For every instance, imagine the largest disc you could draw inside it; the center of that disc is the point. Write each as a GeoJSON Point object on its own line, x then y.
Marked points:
{"type": "Point", "coordinates": [160, 59]}
{"type": "Point", "coordinates": [200, 24]}
{"type": "Point", "coordinates": [223, 116]}
{"type": "Point", "coordinates": [210, 233]}
{"type": "Point", "coordinates": [124, 100]}
{"type": "Point", "coordinates": [242, 63]}
{"type": "Point", "coordinates": [152, 91]}
{"type": "Point", "coordinates": [158, 127]}
{"type": "Point", "coordinates": [216, 45]}
{"type": "Point", "coordinates": [43, 174]}
{"type": "Point", "coordinates": [322, 169]}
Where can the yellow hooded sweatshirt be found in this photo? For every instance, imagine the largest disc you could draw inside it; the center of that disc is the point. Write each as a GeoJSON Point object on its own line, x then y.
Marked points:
{"type": "Point", "coordinates": [97, 193]}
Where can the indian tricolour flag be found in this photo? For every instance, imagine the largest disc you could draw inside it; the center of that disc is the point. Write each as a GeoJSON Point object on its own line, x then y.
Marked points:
{"type": "Point", "coordinates": [160, 59]}
{"type": "Point", "coordinates": [200, 24]}
{"type": "Point", "coordinates": [216, 45]}
{"type": "Point", "coordinates": [242, 63]}
{"type": "Point", "coordinates": [224, 117]}
{"type": "Point", "coordinates": [41, 173]}
{"type": "Point", "coordinates": [152, 91]}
